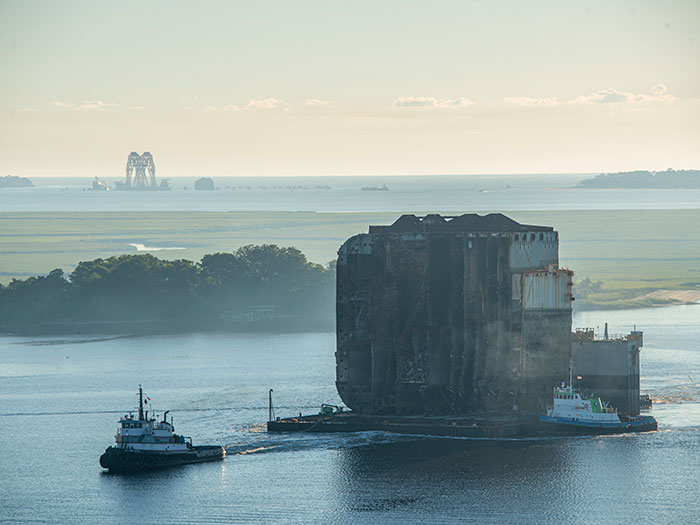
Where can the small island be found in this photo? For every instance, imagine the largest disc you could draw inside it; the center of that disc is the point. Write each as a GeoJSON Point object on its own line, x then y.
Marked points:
{"type": "Point", "coordinates": [204, 184]}
{"type": "Point", "coordinates": [10, 181]}
{"type": "Point", "coordinates": [669, 179]}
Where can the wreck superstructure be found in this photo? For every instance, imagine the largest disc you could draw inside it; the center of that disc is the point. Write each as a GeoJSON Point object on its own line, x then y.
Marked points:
{"type": "Point", "coordinates": [451, 315]}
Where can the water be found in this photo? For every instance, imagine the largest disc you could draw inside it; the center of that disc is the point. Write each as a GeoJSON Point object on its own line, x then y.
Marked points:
{"type": "Point", "coordinates": [458, 193]}
{"type": "Point", "coordinates": [60, 399]}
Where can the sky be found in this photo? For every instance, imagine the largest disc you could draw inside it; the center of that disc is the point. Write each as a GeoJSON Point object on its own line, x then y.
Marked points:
{"type": "Point", "coordinates": [226, 88]}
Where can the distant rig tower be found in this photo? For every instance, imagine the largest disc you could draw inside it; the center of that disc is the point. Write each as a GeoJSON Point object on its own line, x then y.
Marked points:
{"type": "Point", "coordinates": [136, 168]}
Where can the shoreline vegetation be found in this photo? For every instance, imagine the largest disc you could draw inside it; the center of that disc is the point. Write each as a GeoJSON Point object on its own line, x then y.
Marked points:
{"type": "Point", "coordinates": [594, 296]}
{"type": "Point", "coordinates": [263, 287]}
{"type": "Point", "coordinates": [669, 179]}
{"type": "Point", "coordinates": [255, 288]}
{"type": "Point", "coordinates": [621, 258]}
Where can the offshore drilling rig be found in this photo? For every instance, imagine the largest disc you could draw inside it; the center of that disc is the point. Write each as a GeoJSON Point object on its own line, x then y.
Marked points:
{"type": "Point", "coordinates": [452, 315]}
{"type": "Point", "coordinates": [136, 168]}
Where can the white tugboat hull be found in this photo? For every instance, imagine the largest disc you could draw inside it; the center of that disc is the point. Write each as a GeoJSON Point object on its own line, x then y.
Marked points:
{"type": "Point", "coordinates": [570, 426]}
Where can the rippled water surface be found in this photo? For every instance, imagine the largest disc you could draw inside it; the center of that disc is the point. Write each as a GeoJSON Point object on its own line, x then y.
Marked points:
{"type": "Point", "coordinates": [60, 399]}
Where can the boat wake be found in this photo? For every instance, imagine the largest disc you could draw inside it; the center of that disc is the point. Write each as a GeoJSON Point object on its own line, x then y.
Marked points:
{"type": "Point", "coordinates": [299, 442]}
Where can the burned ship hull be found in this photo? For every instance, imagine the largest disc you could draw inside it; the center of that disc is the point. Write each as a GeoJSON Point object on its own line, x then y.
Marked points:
{"type": "Point", "coordinates": [451, 315]}
{"type": "Point", "coordinates": [459, 326]}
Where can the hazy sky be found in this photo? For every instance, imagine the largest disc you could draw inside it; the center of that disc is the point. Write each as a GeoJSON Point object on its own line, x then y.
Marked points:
{"type": "Point", "coordinates": [353, 87]}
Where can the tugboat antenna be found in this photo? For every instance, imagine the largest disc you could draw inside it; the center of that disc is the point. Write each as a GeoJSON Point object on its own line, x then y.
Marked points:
{"type": "Point", "coordinates": [270, 408]}
{"type": "Point", "coordinates": [140, 403]}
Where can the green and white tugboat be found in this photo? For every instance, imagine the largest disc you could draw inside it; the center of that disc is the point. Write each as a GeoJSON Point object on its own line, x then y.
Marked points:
{"type": "Point", "coordinates": [146, 443]}
{"type": "Point", "coordinates": [571, 413]}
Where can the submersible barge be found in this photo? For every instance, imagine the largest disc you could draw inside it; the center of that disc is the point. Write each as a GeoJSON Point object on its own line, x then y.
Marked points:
{"type": "Point", "coordinates": [455, 426]}
{"type": "Point", "coordinates": [477, 427]}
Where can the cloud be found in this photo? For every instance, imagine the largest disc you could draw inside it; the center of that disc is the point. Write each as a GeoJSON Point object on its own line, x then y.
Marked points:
{"type": "Point", "coordinates": [659, 90]}
{"type": "Point", "coordinates": [265, 103]}
{"type": "Point", "coordinates": [658, 93]}
{"type": "Point", "coordinates": [85, 106]}
{"type": "Point", "coordinates": [27, 110]}
{"type": "Point", "coordinates": [139, 108]}
{"type": "Point", "coordinates": [88, 105]}
{"type": "Point", "coordinates": [315, 102]}
{"type": "Point", "coordinates": [230, 107]}
{"type": "Point", "coordinates": [431, 102]}
{"type": "Point", "coordinates": [547, 102]}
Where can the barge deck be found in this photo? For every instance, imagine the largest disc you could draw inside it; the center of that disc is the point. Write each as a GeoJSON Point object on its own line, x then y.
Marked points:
{"type": "Point", "coordinates": [450, 426]}
{"type": "Point", "coordinates": [454, 426]}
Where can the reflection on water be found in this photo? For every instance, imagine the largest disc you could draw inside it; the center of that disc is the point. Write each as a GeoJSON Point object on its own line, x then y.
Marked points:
{"type": "Point", "coordinates": [63, 412]}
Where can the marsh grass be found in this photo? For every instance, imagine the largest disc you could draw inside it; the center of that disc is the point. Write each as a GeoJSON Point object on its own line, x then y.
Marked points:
{"type": "Point", "coordinates": [631, 252]}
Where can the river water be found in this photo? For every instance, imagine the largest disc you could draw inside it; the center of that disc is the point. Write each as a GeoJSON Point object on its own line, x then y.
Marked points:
{"type": "Point", "coordinates": [60, 399]}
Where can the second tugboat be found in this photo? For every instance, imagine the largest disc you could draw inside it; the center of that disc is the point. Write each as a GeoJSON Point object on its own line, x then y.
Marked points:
{"type": "Point", "coordinates": [144, 444]}
{"type": "Point", "coordinates": [573, 414]}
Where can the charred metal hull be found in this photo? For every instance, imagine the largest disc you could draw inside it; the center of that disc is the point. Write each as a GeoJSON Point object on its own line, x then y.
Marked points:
{"type": "Point", "coordinates": [455, 315]}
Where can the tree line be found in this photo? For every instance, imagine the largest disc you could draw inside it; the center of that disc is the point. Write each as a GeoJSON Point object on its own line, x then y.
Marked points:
{"type": "Point", "coordinates": [222, 288]}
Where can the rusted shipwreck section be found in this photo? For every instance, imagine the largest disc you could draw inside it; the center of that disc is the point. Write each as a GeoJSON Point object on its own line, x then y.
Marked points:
{"type": "Point", "coordinates": [461, 315]}
{"type": "Point", "coordinates": [461, 326]}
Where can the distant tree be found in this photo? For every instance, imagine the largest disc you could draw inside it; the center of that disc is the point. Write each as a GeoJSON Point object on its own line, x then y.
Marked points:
{"type": "Point", "coordinates": [584, 288]}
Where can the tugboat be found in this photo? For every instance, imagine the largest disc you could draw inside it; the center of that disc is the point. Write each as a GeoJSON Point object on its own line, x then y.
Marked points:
{"type": "Point", "coordinates": [144, 444]}
{"type": "Point", "coordinates": [572, 414]}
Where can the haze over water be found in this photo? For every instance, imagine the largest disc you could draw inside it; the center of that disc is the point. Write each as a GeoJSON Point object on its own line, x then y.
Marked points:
{"type": "Point", "coordinates": [427, 193]}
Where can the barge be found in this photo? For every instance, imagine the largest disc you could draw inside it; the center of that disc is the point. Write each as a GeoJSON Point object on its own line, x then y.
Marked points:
{"type": "Point", "coordinates": [453, 426]}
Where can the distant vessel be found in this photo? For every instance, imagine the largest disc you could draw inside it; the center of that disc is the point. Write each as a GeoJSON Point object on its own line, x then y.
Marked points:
{"type": "Point", "coordinates": [100, 185]}
{"type": "Point", "coordinates": [144, 443]}
{"type": "Point", "coordinates": [383, 187]}
{"type": "Point", "coordinates": [571, 413]}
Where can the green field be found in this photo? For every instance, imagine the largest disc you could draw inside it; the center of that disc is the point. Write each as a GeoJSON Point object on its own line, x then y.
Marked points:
{"type": "Point", "coordinates": [630, 252]}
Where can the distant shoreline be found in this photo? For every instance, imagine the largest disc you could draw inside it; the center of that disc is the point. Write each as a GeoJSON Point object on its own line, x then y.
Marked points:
{"type": "Point", "coordinates": [661, 180]}
{"type": "Point", "coordinates": [10, 181]}
{"type": "Point", "coordinates": [645, 299]}
{"type": "Point", "coordinates": [161, 326]}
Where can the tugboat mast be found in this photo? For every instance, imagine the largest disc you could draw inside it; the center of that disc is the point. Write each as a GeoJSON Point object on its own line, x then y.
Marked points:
{"type": "Point", "coordinates": [140, 403]}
